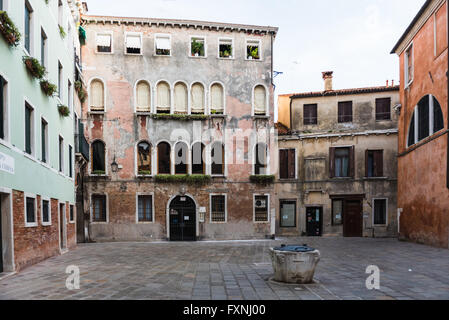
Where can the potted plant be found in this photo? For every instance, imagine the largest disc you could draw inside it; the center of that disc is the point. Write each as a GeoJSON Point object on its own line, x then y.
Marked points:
{"type": "Point", "coordinates": [82, 93]}
{"type": "Point", "coordinates": [34, 67]}
{"type": "Point", "coordinates": [9, 30]}
{"type": "Point", "coordinates": [253, 53]}
{"type": "Point", "coordinates": [197, 48]}
{"type": "Point", "coordinates": [48, 88]}
{"type": "Point", "coordinates": [63, 110]}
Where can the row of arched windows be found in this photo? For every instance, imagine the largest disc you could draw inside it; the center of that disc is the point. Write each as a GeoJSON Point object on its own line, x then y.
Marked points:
{"type": "Point", "coordinates": [179, 99]}
{"type": "Point", "coordinates": [184, 159]}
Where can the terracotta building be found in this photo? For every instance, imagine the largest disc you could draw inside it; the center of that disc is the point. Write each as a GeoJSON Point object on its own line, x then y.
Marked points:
{"type": "Point", "coordinates": [180, 125]}
{"type": "Point", "coordinates": [337, 163]}
{"type": "Point", "coordinates": [423, 181]}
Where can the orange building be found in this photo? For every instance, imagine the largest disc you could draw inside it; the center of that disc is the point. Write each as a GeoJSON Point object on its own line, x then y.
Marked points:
{"type": "Point", "coordinates": [423, 165]}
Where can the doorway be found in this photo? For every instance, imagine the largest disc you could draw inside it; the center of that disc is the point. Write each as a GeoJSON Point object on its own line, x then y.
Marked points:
{"type": "Point", "coordinates": [6, 232]}
{"type": "Point", "coordinates": [314, 216]}
{"type": "Point", "coordinates": [62, 226]}
{"type": "Point", "coordinates": [182, 217]}
{"type": "Point", "coordinates": [1, 235]}
{"type": "Point", "coordinates": [353, 219]}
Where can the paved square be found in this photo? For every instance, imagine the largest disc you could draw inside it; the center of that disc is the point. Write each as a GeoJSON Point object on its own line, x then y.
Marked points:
{"type": "Point", "coordinates": [235, 270]}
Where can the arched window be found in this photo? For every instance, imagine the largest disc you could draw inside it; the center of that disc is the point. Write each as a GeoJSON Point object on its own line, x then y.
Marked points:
{"type": "Point", "coordinates": [163, 158]}
{"type": "Point", "coordinates": [181, 98]}
{"type": "Point", "coordinates": [143, 97]}
{"type": "Point", "coordinates": [260, 100]}
{"type": "Point", "coordinates": [144, 158]}
{"type": "Point", "coordinates": [97, 95]}
{"type": "Point", "coordinates": [98, 157]}
{"type": "Point", "coordinates": [217, 99]}
{"type": "Point", "coordinates": [427, 119]}
{"type": "Point", "coordinates": [218, 159]}
{"type": "Point", "coordinates": [181, 156]}
{"type": "Point", "coordinates": [261, 159]}
{"type": "Point", "coordinates": [198, 158]}
{"type": "Point", "coordinates": [163, 98]}
{"type": "Point", "coordinates": [197, 98]}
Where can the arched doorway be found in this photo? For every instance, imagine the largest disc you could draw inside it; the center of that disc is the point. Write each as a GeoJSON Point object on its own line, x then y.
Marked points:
{"type": "Point", "coordinates": [182, 219]}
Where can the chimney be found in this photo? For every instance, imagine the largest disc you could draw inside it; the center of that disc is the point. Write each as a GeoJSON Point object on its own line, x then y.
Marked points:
{"type": "Point", "coordinates": [327, 77]}
{"type": "Point", "coordinates": [388, 82]}
{"type": "Point", "coordinates": [392, 83]}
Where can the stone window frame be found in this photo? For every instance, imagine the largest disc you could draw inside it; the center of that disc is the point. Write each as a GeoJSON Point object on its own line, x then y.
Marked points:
{"type": "Point", "coordinates": [204, 96]}
{"type": "Point", "coordinates": [30, 224]}
{"type": "Point", "coordinates": [91, 209]}
{"type": "Point", "coordinates": [31, 156]}
{"type": "Point", "coordinates": [155, 94]}
{"type": "Point", "coordinates": [288, 165]}
{"type": "Point", "coordinates": [47, 141]}
{"type": "Point", "coordinates": [151, 96]}
{"type": "Point", "coordinates": [268, 207]}
{"type": "Point", "coordinates": [209, 149]}
{"type": "Point", "coordinates": [407, 81]}
{"type": "Point", "coordinates": [136, 164]}
{"type": "Point", "coordinates": [153, 216]}
{"type": "Point", "coordinates": [254, 158]}
{"type": "Point", "coordinates": [129, 33]}
{"type": "Point", "coordinates": [171, 156]}
{"type": "Point", "coordinates": [267, 101]}
{"type": "Point", "coordinates": [259, 46]}
{"type": "Point", "coordinates": [204, 156]}
{"type": "Point", "coordinates": [49, 223]}
{"type": "Point", "coordinates": [109, 33]}
{"type": "Point", "coordinates": [162, 35]}
{"type": "Point", "coordinates": [209, 107]}
{"type": "Point", "coordinates": [27, 3]}
{"type": "Point", "coordinates": [204, 38]}
{"type": "Point", "coordinates": [61, 155]}
{"type": "Point", "coordinates": [386, 212]}
{"type": "Point", "coordinates": [6, 112]}
{"type": "Point", "coordinates": [173, 96]}
{"type": "Point", "coordinates": [105, 159]}
{"type": "Point", "coordinates": [44, 46]}
{"type": "Point", "coordinates": [225, 208]}
{"type": "Point", "coordinates": [281, 202]}
{"type": "Point", "coordinates": [89, 96]}
{"type": "Point", "coordinates": [188, 163]}
{"type": "Point", "coordinates": [232, 45]}
{"type": "Point", "coordinates": [72, 205]}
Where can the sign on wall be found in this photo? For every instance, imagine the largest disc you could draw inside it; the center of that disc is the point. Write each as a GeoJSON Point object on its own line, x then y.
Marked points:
{"type": "Point", "coordinates": [6, 163]}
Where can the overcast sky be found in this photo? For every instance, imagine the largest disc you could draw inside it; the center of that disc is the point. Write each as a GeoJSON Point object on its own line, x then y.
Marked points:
{"type": "Point", "coordinates": [353, 38]}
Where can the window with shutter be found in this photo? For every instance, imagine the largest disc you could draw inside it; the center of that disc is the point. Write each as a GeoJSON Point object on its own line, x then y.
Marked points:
{"type": "Point", "coordinates": [217, 99]}
{"type": "Point", "coordinates": [28, 129]}
{"type": "Point", "coordinates": [44, 138]}
{"type": "Point", "coordinates": [163, 97]}
{"type": "Point", "coordinates": [133, 44]}
{"type": "Point", "coordinates": [2, 108]}
{"type": "Point", "coordinates": [345, 112]}
{"type": "Point", "coordinates": [163, 158]}
{"type": "Point", "coordinates": [218, 159]}
{"type": "Point", "coordinates": [98, 157]}
{"type": "Point", "coordinates": [99, 208]}
{"type": "Point", "coordinates": [383, 109]}
{"type": "Point", "coordinates": [197, 98]}
{"type": "Point", "coordinates": [181, 98]}
{"type": "Point", "coordinates": [61, 154]}
{"type": "Point", "coordinates": [310, 114]}
{"type": "Point", "coordinates": [261, 153]}
{"type": "Point", "coordinates": [260, 100]}
{"type": "Point", "coordinates": [97, 95]}
{"type": "Point", "coordinates": [287, 163]}
{"type": "Point", "coordinates": [28, 24]}
{"type": "Point", "coordinates": [163, 45]}
{"type": "Point", "coordinates": [374, 163]}
{"type": "Point", "coordinates": [143, 98]}
{"type": "Point", "coordinates": [104, 43]}
{"type": "Point", "coordinates": [341, 162]}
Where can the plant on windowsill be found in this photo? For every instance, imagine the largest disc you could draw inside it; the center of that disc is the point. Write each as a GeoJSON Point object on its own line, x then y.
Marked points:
{"type": "Point", "coordinates": [48, 88]}
{"type": "Point", "coordinates": [195, 179]}
{"type": "Point", "coordinates": [144, 173]}
{"type": "Point", "coordinates": [99, 172]}
{"type": "Point", "coordinates": [63, 110]}
{"type": "Point", "coordinates": [253, 53]}
{"type": "Point", "coordinates": [179, 117]}
{"type": "Point", "coordinates": [9, 30]}
{"type": "Point", "coordinates": [197, 49]}
{"type": "Point", "coordinates": [46, 1]}
{"type": "Point", "coordinates": [34, 67]}
{"type": "Point", "coordinates": [62, 32]}
{"type": "Point", "coordinates": [225, 51]}
{"type": "Point", "coordinates": [262, 179]}
{"type": "Point", "coordinates": [162, 52]}
{"type": "Point", "coordinates": [82, 93]}
{"type": "Point", "coordinates": [216, 112]}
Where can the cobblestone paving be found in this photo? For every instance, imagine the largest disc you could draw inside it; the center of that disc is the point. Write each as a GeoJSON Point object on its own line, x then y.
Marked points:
{"type": "Point", "coordinates": [235, 271]}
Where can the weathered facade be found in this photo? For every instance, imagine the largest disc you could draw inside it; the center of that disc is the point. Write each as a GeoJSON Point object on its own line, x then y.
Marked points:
{"type": "Point", "coordinates": [174, 113]}
{"type": "Point", "coordinates": [337, 172]}
{"type": "Point", "coordinates": [423, 169]}
{"type": "Point", "coordinates": [37, 199]}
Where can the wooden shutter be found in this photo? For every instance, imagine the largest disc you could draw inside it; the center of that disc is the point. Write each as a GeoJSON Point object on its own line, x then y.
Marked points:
{"type": "Point", "coordinates": [283, 163]}
{"type": "Point", "coordinates": [379, 163]}
{"type": "Point", "coordinates": [197, 98]}
{"type": "Point", "coordinates": [310, 114]}
{"type": "Point", "coordinates": [260, 100]}
{"type": "Point", "coordinates": [2, 107]}
{"type": "Point", "coordinates": [366, 163]}
{"type": "Point", "coordinates": [332, 162]}
{"type": "Point", "coordinates": [352, 162]}
{"type": "Point", "coordinates": [163, 96]}
{"type": "Point", "coordinates": [291, 164]}
{"type": "Point", "coordinates": [181, 98]}
{"type": "Point", "coordinates": [97, 99]}
{"type": "Point", "coordinates": [345, 111]}
{"type": "Point", "coordinates": [383, 109]}
{"type": "Point", "coordinates": [217, 98]}
{"type": "Point", "coordinates": [143, 96]}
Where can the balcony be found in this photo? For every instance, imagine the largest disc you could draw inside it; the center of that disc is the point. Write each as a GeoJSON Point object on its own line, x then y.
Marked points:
{"type": "Point", "coordinates": [81, 144]}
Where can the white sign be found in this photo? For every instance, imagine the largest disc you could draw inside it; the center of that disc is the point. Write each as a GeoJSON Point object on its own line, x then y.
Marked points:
{"type": "Point", "coordinates": [202, 209]}
{"type": "Point", "coordinates": [6, 163]}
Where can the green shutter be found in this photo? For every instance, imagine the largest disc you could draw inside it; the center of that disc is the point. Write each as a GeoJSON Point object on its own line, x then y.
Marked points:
{"type": "Point", "coordinates": [2, 107]}
{"type": "Point", "coordinates": [44, 146]}
{"type": "Point", "coordinates": [27, 130]}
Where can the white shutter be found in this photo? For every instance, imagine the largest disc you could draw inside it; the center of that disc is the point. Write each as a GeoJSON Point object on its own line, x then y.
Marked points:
{"type": "Point", "coordinates": [163, 43]}
{"type": "Point", "coordinates": [97, 98]}
{"type": "Point", "coordinates": [217, 98]}
{"type": "Point", "coordinates": [181, 98]}
{"type": "Point", "coordinates": [198, 98]}
{"type": "Point", "coordinates": [143, 96]}
{"type": "Point", "coordinates": [103, 40]}
{"type": "Point", "coordinates": [133, 41]}
{"type": "Point", "coordinates": [260, 102]}
{"type": "Point", "coordinates": [163, 96]}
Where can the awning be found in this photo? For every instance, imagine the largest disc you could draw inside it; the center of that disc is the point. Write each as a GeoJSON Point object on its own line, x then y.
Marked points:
{"type": "Point", "coordinates": [82, 35]}
{"type": "Point", "coordinates": [163, 43]}
{"type": "Point", "coordinates": [103, 40]}
{"type": "Point", "coordinates": [133, 42]}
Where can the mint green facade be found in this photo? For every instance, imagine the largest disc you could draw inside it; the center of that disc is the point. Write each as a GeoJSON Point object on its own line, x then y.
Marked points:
{"type": "Point", "coordinates": [31, 175]}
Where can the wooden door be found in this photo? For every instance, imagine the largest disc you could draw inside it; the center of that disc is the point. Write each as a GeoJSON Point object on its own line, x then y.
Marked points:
{"type": "Point", "coordinates": [314, 218]}
{"type": "Point", "coordinates": [352, 219]}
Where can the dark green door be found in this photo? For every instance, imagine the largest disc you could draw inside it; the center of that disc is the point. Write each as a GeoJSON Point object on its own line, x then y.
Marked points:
{"type": "Point", "coordinates": [314, 222]}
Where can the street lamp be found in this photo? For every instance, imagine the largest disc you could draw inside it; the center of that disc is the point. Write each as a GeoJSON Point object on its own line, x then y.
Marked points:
{"type": "Point", "coordinates": [114, 166]}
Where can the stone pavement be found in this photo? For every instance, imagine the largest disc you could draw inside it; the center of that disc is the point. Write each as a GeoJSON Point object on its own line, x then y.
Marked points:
{"type": "Point", "coordinates": [235, 271]}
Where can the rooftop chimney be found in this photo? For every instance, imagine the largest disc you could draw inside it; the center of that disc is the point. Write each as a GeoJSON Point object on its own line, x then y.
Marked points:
{"type": "Point", "coordinates": [328, 76]}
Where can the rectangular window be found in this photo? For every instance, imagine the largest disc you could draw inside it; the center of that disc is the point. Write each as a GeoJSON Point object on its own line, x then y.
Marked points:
{"type": "Point", "coordinates": [46, 212]}
{"type": "Point", "coordinates": [374, 163]}
{"type": "Point", "coordinates": [380, 211]}
{"type": "Point", "coordinates": [3, 114]}
{"type": "Point", "coordinates": [99, 208]}
{"type": "Point", "coordinates": [218, 208]}
{"type": "Point", "coordinates": [197, 47]}
{"type": "Point", "coordinates": [383, 109]}
{"type": "Point", "coordinates": [341, 162]}
{"type": "Point", "coordinates": [288, 214]}
{"type": "Point", "coordinates": [43, 48]}
{"type": "Point", "coordinates": [163, 45]}
{"type": "Point", "coordinates": [28, 27]}
{"type": "Point", "coordinates": [253, 50]}
{"type": "Point", "coordinates": [69, 96]}
{"type": "Point", "coordinates": [72, 214]}
{"type": "Point", "coordinates": [225, 48]}
{"type": "Point", "coordinates": [145, 208]}
{"type": "Point", "coordinates": [61, 154]}
{"type": "Point", "coordinates": [104, 43]}
{"type": "Point", "coordinates": [30, 211]}
{"type": "Point", "coordinates": [408, 65]}
{"type": "Point", "coordinates": [310, 114]}
{"type": "Point", "coordinates": [70, 161]}
{"type": "Point", "coordinates": [287, 163]}
{"type": "Point", "coordinates": [60, 81]}
{"type": "Point", "coordinates": [29, 129]}
{"type": "Point", "coordinates": [345, 112]}
{"type": "Point", "coordinates": [337, 212]}
{"type": "Point", "coordinates": [133, 44]}
{"type": "Point", "coordinates": [261, 208]}
{"type": "Point", "coordinates": [1, 5]}
{"type": "Point", "coordinates": [44, 141]}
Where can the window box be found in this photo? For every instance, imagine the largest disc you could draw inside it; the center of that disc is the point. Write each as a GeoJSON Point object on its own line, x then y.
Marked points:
{"type": "Point", "coordinates": [34, 67]}
{"type": "Point", "coordinates": [82, 93]}
{"type": "Point", "coordinates": [179, 117]}
{"type": "Point", "coordinates": [48, 88]}
{"type": "Point", "coordinates": [262, 179]}
{"type": "Point", "coordinates": [63, 110]}
{"type": "Point", "coordinates": [195, 179]}
{"type": "Point", "coordinates": [9, 30]}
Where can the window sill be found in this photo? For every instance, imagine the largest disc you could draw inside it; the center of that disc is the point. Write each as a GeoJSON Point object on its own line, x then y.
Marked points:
{"type": "Point", "coordinates": [217, 115]}
{"type": "Point", "coordinates": [145, 222]}
{"type": "Point", "coordinates": [211, 222]}
{"type": "Point", "coordinates": [375, 178]}
{"type": "Point", "coordinates": [199, 57]}
{"type": "Point", "coordinates": [5, 143]}
{"type": "Point", "coordinates": [104, 53]}
{"type": "Point", "coordinates": [143, 113]}
{"type": "Point", "coordinates": [254, 60]}
{"type": "Point", "coordinates": [95, 112]}
{"type": "Point", "coordinates": [31, 225]}
{"type": "Point", "coordinates": [162, 55]}
{"type": "Point", "coordinates": [99, 222]}
{"type": "Point", "coordinates": [263, 117]}
{"type": "Point", "coordinates": [144, 176]}
{"type": "Point", "coordinates": [29, 156]}
{"type": "Point", "coordinates": [262, 222]}
{"type": "Point", "coordinates": [134, 54]}
{"type": "Point", "coordinates": [71, 222]}
{"type": "Point", "coordinates": [46, 224]}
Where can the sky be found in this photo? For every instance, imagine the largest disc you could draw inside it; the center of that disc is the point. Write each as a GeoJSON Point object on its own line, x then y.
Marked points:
{"type": "Point", "coordinates": [353, 38]}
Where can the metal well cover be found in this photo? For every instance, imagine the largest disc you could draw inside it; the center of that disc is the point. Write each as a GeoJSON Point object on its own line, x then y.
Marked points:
{"type": "Point", "coordinates": [293, 248]}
